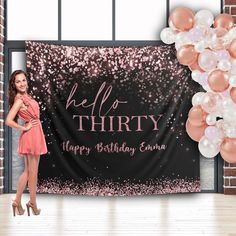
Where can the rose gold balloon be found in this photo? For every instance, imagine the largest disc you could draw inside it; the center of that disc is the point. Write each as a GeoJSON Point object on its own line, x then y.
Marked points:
{"type": "Point", "coordinates": [232, 49]}
{"type": "Point", "coordinates": [181, 18]}
{"type": "Point", "coordinates": [195, 66]}
{"type": "Point", "coordinates": [233, 94]}
{"type": "Point", "coordinates": [197, 116]}
{"type": "Point", "coordinates": [187, 55]}
{"type": "Point", "coordinates": [218, 80]}
{"type": "Point", "coordinates": [220, 32]}
{"type": "Point", "coordinates": [228, 150]}
{"type": "Point", "coordinates": [195, 133]}
{"type": "Point", "coordinates": [225, 21]}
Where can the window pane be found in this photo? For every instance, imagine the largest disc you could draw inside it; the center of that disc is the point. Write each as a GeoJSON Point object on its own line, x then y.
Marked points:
{"type": "Point", "coordinates": [207, 168]}
{"type": "Point", "coordinates": [32, 20]}
{"type": "Point", "coordinates": [18, 62]}
{"type": "Point", "coordinates": [86, 20]}
{"type": "Point", "coordinates": [196, 5]}
{"type": "Point", "coordinates": [140, 20]}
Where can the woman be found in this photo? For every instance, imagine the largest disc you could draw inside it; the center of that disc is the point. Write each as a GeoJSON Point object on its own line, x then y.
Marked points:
{"type": "Point", "coordinates": [31, 142]}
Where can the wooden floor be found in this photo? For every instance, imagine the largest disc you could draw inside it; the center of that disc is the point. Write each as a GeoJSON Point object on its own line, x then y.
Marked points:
{"type": "Point", "coordinates": [178, 214]}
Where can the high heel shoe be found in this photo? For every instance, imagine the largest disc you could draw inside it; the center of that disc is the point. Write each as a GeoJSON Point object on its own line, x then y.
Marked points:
{"type": "Point", "coordinates": [17, 208]}
{"type": "Point", "coordinates": [33, 207]}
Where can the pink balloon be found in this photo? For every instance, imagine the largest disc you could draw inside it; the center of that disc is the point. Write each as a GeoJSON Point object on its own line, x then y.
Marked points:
{"type": "Point", "coordinates": [211, 132]}
{"type": "Point", "coordinates": [194, 132]}
{"type": "Point", "coordinates": [233, 94]}
{"type": "Point", "coordinates": [232, 48]}
{"type": "Point", "coordinates": [197, 116]}
{"type": "Point", "coordinates": [224, 20]}
{"type": "Point", "coordinates": [195, 66]}
{"type": "Point", "coordinates": [207, 60]}
{"type": "Point", "coordinates": [187, 55]}
{"type": "Point", "coordinates": [218, 80]}
{"type": "Point", "coordinates": [228, 150]}
{"type": "Point", "coordinates": [181, 18]}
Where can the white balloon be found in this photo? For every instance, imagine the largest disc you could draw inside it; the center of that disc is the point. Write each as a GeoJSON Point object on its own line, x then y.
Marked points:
{"type": "Point", "coordinates": [226, 103]}
{"type": "Point", "coordinates": [200, 46]}
{"type": "Point", "coordinates": [208, 148]}
{"type": "Point", "coordinates": [197, 98]}
{"type": "Point", "coordinates": [204, 17]}
{"type": "Point", "coordinates": [229, 115]}
{"type": "Point", "coordinates": [207, 88]}
{"type": "Point", "coordinates": [196, 74]}
{"type": "Point", "coordinates": [182, 38]}
{"type": "Point", "coordinates": [233, 67]}
{"type": "Point", "coordinates": [211, 119]}
{"type": "Point", "coordinates": [168, 35]}
{"type": "Point", "coordinates": [224, 65]}
{"type": "Point", "coordinates": [230, 35]}
{"type": "Point", "coordinates": [230, 132]}
{"type": "Point", "coordinates": [232, 80]}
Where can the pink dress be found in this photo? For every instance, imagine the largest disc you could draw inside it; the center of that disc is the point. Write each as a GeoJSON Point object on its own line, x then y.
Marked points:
{"type": "Point", "coordinates": [33, 140]}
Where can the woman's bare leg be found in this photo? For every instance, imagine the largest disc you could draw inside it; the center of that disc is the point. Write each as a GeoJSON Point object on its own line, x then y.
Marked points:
{"type": "Point", "coordinates": [33, 161]}
{"type": "Point", "coordinates": [22, 182]}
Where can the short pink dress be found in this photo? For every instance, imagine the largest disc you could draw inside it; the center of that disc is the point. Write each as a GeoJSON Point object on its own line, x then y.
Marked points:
{"type": "Point", "coordinates": [33, 140]}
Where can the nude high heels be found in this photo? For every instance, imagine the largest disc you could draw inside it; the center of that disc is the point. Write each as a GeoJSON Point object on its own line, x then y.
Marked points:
{"type": "Point", "coordinates": [17, 208]}
{"type": "Point", "coordinates": [33, 207]}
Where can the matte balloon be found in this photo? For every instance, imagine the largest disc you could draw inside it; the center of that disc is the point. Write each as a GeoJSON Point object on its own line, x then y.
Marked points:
{"type": "Point", "coordinates": [187, 55]}
{"type": "Point", "coordinates": [218, 80]}
{"type": "Point", "coordinates": [224, 20]}
{"type": "Point", "coordinates": [233, 94]}
{"type": "Point", "coordinates": [228, 150]}
{"type": "Point", "coordinates": [208, 148]}
{"type": "Point", "coordinates": [197, 116]}
{"type": "Point", "coordinates": [207, 60]}
{"type": "Point", "coordinates": [232, 49]}
{"type": "Point", "coordinates": [182, 19]}
{"type": "Point", "coordinates": [195, 133]}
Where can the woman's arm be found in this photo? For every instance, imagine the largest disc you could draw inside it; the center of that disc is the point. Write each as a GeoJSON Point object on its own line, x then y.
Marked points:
{"type": "Point", "coordinates": [11, 116]}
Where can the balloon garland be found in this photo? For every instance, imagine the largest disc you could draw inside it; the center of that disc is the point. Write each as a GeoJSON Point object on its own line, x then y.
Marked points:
{"type": "Point", "coordinates": [208, 47]}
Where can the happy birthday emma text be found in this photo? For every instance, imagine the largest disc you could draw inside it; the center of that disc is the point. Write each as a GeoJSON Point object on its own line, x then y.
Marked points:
{"type": "Point", "coordinates": [102, 105]}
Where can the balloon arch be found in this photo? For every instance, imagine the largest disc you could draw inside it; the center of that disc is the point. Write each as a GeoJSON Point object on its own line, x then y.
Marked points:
{"type": "Point", "coordinates": [208, 47]}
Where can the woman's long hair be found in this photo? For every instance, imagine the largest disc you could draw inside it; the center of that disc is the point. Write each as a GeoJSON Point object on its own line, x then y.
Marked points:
{"type": "Point", "coordinates": [12, 91]}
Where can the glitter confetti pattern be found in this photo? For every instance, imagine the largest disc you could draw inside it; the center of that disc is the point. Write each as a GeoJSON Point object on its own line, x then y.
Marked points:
{"type": "Point", "coordinates": [113, 114]}
{"type": "Point", "coordinates": [96, 187]}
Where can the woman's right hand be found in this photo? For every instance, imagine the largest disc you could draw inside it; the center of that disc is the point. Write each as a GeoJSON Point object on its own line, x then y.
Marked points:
{"type": "Point", "coordinates": [27, 126]}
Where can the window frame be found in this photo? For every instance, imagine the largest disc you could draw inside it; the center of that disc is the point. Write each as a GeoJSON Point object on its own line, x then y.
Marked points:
{"type": "Point", "coordinates": [19, 46]}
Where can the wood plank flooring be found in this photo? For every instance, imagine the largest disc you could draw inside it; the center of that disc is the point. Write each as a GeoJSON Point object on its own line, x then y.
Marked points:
{"type": "Point", "coordinates": [178, 214]}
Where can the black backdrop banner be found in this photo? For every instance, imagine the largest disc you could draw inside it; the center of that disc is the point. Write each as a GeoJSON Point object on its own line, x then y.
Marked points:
{"type": "Point", "coordinates": [114, 120]}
